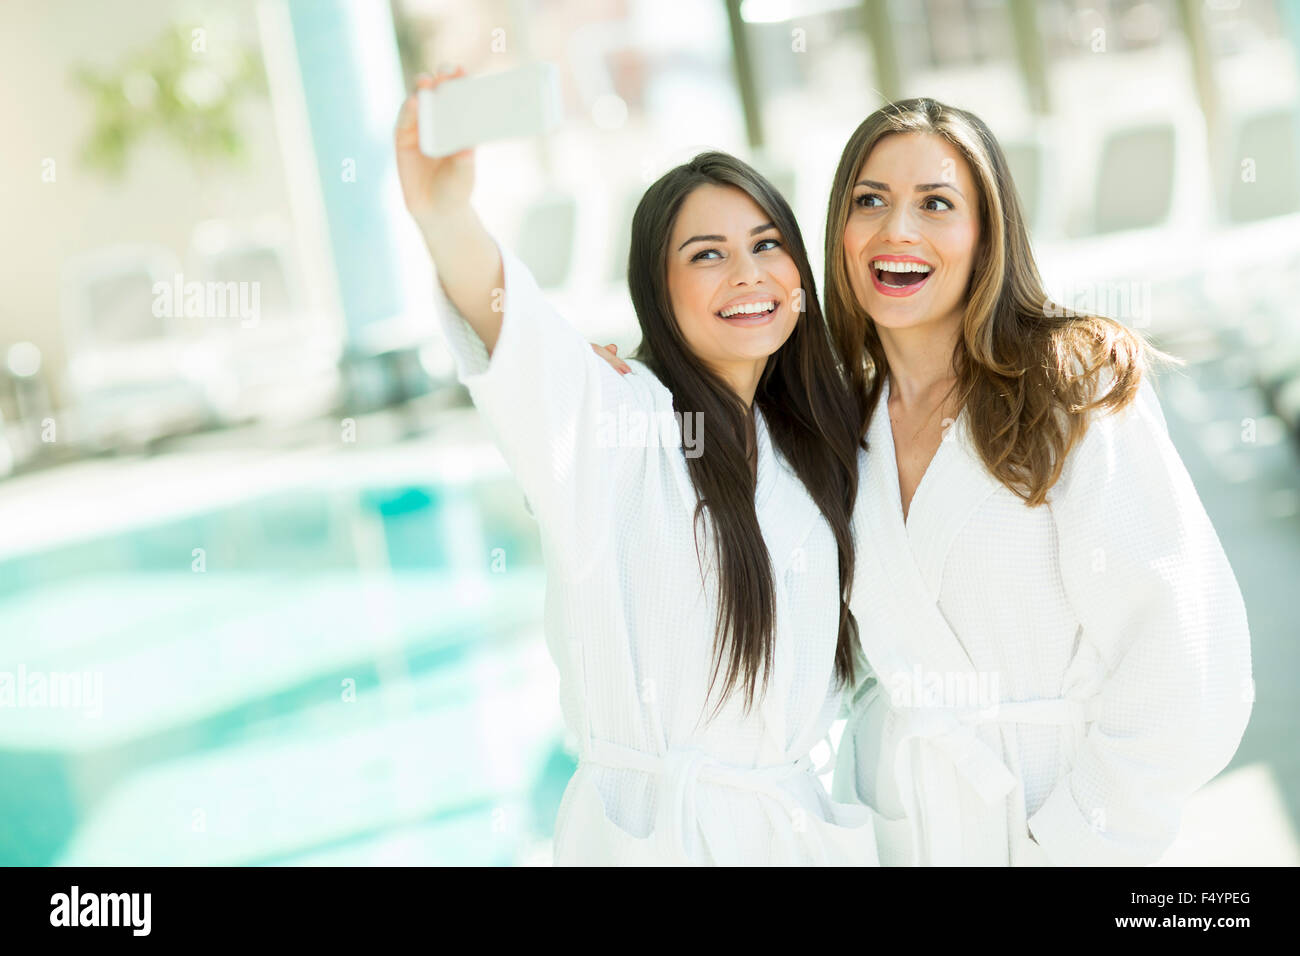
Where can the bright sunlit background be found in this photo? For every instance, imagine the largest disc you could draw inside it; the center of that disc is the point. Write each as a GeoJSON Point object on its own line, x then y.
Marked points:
{"type": "Point", "coordinates": [267, 593]}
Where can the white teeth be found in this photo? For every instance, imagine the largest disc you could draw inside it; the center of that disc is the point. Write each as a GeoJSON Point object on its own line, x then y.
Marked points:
{"type": "Point", "coordinates": [886, 266]}
{"type": "Point", "coordinates": [749, 308]}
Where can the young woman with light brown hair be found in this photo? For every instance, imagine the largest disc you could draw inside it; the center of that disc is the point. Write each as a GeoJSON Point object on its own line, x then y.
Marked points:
{"type": "Point", "coordinates": [1059, 650]}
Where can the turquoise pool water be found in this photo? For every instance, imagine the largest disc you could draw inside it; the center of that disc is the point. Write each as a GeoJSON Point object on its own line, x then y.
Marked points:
{"type": "Point", "coordinates": [318, 676]}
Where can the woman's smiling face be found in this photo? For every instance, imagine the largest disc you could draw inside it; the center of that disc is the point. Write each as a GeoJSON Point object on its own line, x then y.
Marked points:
{"type": "Point", "coordinates": [912, 231]}
{"type": "Point", "coordinates": [733, 286]}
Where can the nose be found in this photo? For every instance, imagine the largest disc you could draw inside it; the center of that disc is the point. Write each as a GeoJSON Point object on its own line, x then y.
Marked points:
{"type": "Point", "coordinates": [899, 226]}
{"type": "Point", "coordinates": [746, 269]}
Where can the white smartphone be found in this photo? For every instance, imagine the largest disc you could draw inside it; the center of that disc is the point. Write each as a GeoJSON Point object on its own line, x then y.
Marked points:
{"type": "Point", "coordinates": [470, 110]}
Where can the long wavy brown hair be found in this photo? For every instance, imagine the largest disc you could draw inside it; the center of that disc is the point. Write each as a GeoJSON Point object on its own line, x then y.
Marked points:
{"type": "Point", "coordinates": [1027, 369]}
{"type": "Point", "coordinates": [804, 396]}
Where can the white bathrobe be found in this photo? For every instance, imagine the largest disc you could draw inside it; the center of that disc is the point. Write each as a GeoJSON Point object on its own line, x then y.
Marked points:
{"type": "Point", "coordinates": [629, 620]}
{"type": "Point", "coordinates": [1072, 671]}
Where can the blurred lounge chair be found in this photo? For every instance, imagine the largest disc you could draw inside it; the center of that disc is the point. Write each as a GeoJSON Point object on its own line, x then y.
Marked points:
{"type": "Point", "coordinates": [1138, 220]}
{"type": "Point", "coordinates": [128, 379]}
{"type": "Point", "coordinates": [1254, 277]}
{"type": "Point", "coordinates": [1135, 179]}
{"type": "Point", "coordinates": [1269, 141]}
{"type": "Point", "coordinates": [282, 366]}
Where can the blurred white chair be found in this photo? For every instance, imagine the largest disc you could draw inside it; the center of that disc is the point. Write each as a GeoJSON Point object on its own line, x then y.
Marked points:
{"type": "Point", "coordinates": [1261, 239]}
{"type": "Point", "coordinates": [282, 364]}
{"type": "Point", "coordinates": [1137, 193]}
{"type": "Point", "coordinates": [1270, 141]}
{"type": "Point", "coordinates": [1135, 178]}
{"type": "Point", "coordinates": [259, 253]}
{"type": "Point", "coordinates": [1255, 251]}
{"type": "Point", "coordinates": [127, 380]}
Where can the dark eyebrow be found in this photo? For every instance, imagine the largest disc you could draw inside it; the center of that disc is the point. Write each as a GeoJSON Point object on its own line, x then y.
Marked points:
{"type": "Point", "coordinates": [753, 232]}
{"type": "Point", "coordinates": [922, 187]}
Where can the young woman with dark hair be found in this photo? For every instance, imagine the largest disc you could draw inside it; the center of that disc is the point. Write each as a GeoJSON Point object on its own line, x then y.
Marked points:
{"type": "Point", "coordinates": [704, 552]}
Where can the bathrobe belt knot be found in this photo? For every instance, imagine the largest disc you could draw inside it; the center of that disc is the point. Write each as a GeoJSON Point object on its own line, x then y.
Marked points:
{"type": "Point", "coordinates": [944, 744]}
{"type": "Point", "coordinates": [681, 771]}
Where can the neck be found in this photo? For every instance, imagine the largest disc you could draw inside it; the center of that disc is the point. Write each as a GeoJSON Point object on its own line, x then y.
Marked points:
{"type": "Point", "coordinates": [743, 378]}
{"type": "Point", "coordinates": [920, 360]}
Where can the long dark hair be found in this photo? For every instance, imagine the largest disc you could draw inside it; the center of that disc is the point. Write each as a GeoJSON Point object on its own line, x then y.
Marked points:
{"type": "Point", "coordinates": [805, 396]}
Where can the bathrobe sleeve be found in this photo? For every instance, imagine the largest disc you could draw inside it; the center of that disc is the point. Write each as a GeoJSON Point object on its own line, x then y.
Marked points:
{"type": "Point", "coordinates": [1163, 619]}
{"type": "Point", "coordinates": [546, 398]}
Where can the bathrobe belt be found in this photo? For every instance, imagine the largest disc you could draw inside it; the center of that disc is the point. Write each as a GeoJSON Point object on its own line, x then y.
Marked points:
{"type": "Point", "coordinates": [680, 772]}
{"type": "Point", "coordinates": [949, 735]}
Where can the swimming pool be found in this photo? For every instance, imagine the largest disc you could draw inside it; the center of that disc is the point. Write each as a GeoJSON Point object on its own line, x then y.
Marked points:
{"type": "Point", "coordinates": [320, 674]}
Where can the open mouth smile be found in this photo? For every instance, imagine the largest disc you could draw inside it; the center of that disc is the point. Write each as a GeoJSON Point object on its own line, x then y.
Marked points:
{"type": "Point", "coordinates": [900, 275]}
{"type": "Point", "coordinates": [755, 311]}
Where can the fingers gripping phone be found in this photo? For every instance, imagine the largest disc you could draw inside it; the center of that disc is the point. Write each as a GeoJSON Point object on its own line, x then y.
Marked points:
{"type": "Point", "coordinates": [467, 111]}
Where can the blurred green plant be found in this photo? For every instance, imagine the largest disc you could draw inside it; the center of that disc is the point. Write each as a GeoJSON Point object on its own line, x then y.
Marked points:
{"type": "Point", "coordinates": [176, 87]}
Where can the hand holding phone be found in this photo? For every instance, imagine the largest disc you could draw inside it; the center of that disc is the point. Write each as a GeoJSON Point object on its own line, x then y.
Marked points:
{"type": "Point", "coordinates": [511, 104]}
{"type": "Point", "coordinates": [431, 187]}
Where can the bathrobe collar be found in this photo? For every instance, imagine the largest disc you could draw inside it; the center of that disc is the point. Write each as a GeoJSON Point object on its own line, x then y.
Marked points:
{"type": "Point", "coordinates": [936, 743]}
{"type": "Point", "coordinates": [912, 554]}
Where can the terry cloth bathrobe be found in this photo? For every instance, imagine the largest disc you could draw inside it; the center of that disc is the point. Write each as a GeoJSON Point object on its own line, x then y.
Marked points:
{"type": "Point", "coordinates": [1072, 671]}
{"type": "Point", "coordinates": [629, 620]}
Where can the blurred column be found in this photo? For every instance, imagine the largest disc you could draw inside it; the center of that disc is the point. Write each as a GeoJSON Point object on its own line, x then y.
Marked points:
{"type": "Point", "coordinates": [1202, 62]}
{"type": "Point", "coordinates": [1290, 14]}
{"type": "Point", "coordinates": [352, 87]}
{"type": "Point", "coordinates": [1029, 54]}
{"type": "Point", "coordinates": [336, 82]}
{"type": "Point", "coordinates": [744, 66]}
{"type": "Point", "coordinates": [880, 34]}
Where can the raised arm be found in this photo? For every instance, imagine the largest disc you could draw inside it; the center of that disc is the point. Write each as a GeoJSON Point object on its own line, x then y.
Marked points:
{"type": "Point", "coordinates": [437, 194]}
{"type": "Point", "coordinates": [549, 402]}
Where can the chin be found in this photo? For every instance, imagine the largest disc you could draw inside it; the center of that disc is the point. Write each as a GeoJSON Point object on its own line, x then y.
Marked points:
{"type": "Point", "coordinates": [770, 346]}
{"type": "Point", "coordinates": [757, 355]}
{"type": "Point", "coordinates": [893, 314]}
{"type": "Point", "coordinates": [893, 319]}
